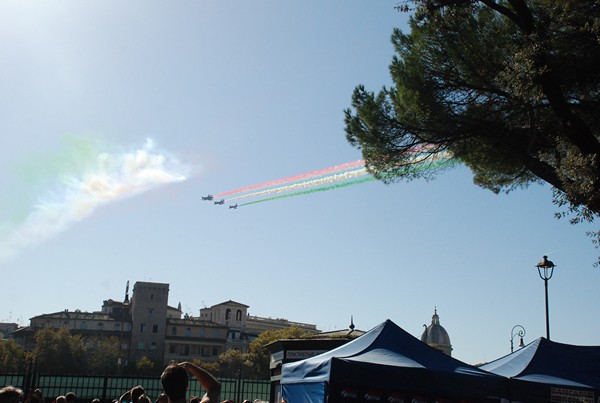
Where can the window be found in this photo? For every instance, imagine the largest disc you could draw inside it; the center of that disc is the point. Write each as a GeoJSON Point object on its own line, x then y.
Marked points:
{"type": "Point", "coordinates": [128, 327]}
{"type": "Point", "coordinates": [228, 314]}
{"type": "Point", "coordinates": [100, 326]}
{"type": "Point", "coordinates": [216, 333]}
{"type": "Point", "coordinates": [186, 350]}
{"type": "Point", "coordinates": [215, 351]}
{"type": "Point", "coordinates": [83, 325]}
{"type": "Point", "coordinates": [142, 328]}
{"type": "Point", "coordinates": [188, 332]}
{"type": "Point", "coordinates": [66, 324]}
{"type": "Point", "coordinates": [154, 328]}
{"type": "Point", "coordinates": [150, 312]}
{"type": "Point", "coordinates": [173, 331]}
{"type": "Point", "coordinates": [171, 348]}
{"type": "Point", "coordinates": [153, 346]}
{"type": "Point", "coordinates": [117, 327]}
{"type": "Point", "coordinates": [151, 296]}
{"type": "Point", "coordinates": [141, 345]}
{"type": "Point", "coordinates": [238, 315]}
{"type": "Point", "coordinates": [202, 332]}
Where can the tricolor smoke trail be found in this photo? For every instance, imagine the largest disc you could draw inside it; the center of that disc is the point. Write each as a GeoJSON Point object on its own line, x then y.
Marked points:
{"type": "Point", "coordinates": [295, 178]}
{"type": "Point", "coordinates": [305, 184]}
{"type": "Point", "coordinates": [339, 176]}
{"type": "Point", "coordinates": [104, 178]}
{"type": "Point", "coordinates": [319, 189]}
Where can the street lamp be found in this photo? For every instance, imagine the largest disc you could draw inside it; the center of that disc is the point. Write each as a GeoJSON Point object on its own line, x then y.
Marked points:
{"type": "Point", "coordinates": [545, 270]}
{"type": "Point", "coordinates": [520, 333]}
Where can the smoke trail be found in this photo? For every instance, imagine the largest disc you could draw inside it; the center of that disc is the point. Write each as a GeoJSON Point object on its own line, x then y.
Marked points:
{"type": "Point", "coordinates": [309, 191]}
{"type": "Point", "coordinates": [311, 183]}
{"type": "Point", "coordinates": [295, 178]}
{"type": "Point", "coordinates": [438, 163]}
{"type": "Point", "coordinates": [420, 162]}
{"type": "Point", "coordinates": [105, 178]}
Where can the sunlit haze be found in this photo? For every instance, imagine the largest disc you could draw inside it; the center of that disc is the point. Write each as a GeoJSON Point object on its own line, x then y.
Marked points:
{"type": "Point", "coordinates": [118, 117]}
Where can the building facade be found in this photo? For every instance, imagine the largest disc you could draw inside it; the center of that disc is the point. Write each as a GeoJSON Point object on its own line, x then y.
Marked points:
{"type": "Point", "coordinates": [242, 328]}
{"type": "Point", "coordinates": [147, 326]}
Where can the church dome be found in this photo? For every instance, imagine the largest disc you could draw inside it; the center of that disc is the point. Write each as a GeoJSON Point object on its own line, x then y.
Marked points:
{"type": "Point", "coordinates": [436, 336]}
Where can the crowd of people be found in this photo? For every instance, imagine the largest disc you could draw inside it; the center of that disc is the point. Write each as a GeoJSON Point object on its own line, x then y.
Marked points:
{"type": "Point", "coordinates": [174, 380]}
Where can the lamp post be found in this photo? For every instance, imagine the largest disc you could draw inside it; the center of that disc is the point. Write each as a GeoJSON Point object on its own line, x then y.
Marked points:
{"type": "Point", "coordinates": [520, 333]}
{"type": "Point", "coordinates": [545, 270]}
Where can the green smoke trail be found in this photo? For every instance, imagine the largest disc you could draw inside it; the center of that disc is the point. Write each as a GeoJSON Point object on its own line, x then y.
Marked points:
{"type": "Point", "coordinates": [440, 164]}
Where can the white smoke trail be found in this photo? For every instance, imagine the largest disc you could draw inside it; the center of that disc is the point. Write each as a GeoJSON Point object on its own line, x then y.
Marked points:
{"type": "Point", "coordinates": [108, 178]}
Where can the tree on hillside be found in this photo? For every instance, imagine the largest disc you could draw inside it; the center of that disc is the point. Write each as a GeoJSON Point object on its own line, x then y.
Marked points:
{"type": "Point", "coordinates": [103, 355]}
{"type": "Point", "coordinates": [233, 362]}
{"type": "Point", "coordinates": [12, 357]}
{"type": "Point", "coordinates": [509, 88]}
{"type": "Point", "coordinates": [259, 355]}
{"type": "Point", "coordinates": [59, 352]}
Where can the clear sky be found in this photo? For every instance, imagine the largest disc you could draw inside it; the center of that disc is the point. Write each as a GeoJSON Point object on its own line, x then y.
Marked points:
{"type": "Point", "coordinates": [118, 116]}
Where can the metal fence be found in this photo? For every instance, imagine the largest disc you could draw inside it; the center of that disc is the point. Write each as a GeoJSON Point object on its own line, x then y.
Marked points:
{"type": "Point", "coordinates": [107, 388]}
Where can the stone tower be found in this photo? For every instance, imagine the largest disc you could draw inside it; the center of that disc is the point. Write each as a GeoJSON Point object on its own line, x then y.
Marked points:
{"type": "Point", "coordinates": [149, 320]}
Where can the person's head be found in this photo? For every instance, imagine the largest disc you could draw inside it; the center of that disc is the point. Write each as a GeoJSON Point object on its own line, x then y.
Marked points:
{"type": "Point", "coordinates": [10, 394]}
{"type": "Point", "coordinates": [136, 392]}
{"type": "Point", "coordinates": [95, 400]}
{"type": "Point", "coordinates": [34, 396]}
{"type": "Point", "coordinates": [162, 398]}
{"type": "Point", "coordinates": [174, 380]}
{"type": "Point", "coordinates": [144, 399]}
{"type": "Point", "coordinates": [70, 397]}
{"type": "Point", "coordinates": [195, 399]}
{"type": "Point", "coordinates": [60, 399]}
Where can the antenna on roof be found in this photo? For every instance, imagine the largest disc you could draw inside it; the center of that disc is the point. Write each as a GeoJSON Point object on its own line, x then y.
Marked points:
{"type": "Point", "coordinates": [127, 292]}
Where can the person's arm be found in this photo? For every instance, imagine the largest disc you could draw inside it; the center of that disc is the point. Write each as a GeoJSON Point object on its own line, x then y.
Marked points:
{"type": "Point", "coordinates": [209, 382]}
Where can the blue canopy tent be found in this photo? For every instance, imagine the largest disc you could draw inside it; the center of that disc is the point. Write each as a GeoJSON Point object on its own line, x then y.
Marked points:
{"type": "Point", "coordinates": [389, 365]}
{"type": "Point", "coordinates": [545, 371]}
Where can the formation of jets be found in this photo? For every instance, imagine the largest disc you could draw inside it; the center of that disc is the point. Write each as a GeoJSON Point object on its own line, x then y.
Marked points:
{"type": "Point", "coordinates": [220, 202]}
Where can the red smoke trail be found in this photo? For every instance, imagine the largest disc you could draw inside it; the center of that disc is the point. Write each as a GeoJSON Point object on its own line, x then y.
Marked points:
{"type": "Point", "coordinates": [296, 178]}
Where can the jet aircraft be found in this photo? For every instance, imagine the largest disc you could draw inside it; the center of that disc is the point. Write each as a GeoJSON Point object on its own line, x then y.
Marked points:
{"type": "Point", "coordinates": [209, 197]}
{"type": "Point", "coordinates": [222, 201]}
{"type": "Point", "coordinates": [233, 206]}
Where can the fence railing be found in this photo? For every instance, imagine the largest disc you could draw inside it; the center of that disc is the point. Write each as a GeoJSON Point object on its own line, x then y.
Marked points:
{"type": "Point", "coordinates": [107, 388]}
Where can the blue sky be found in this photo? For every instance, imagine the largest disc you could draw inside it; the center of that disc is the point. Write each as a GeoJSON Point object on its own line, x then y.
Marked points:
{"type": "Point", "coordinates": [145, 106]}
